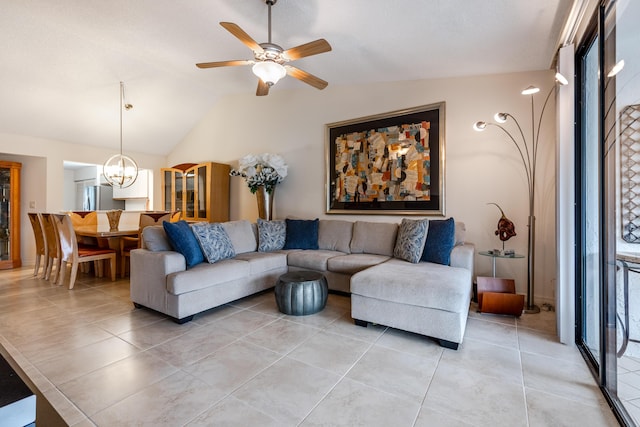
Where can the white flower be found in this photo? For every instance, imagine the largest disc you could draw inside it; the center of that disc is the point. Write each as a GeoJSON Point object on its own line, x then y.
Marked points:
{"type": "Point", "coordinates": [264, 170]}
{"type": "Point", "coordinates": [277, 163]}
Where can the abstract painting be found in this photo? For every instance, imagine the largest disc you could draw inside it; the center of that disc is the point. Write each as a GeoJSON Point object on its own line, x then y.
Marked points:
{"type": "Point", "coordinates": [391, 163]}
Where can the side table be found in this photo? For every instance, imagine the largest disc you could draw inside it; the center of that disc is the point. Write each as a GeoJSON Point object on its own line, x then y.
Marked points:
{"type": "Point", "coordinates": [494, 255]}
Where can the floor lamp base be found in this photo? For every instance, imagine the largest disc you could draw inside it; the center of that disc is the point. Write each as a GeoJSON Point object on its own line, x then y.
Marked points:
{"type": "Point", "coordinates": [531, 310]}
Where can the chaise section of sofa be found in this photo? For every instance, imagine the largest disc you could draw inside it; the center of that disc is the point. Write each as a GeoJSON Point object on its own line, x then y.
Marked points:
{"type": "Point", "coordinates": [426, 298]}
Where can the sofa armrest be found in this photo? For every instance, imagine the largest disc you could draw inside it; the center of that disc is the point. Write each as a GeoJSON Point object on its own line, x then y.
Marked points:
{"type": "Point", "coordinates": [149, 272]}
{"type": "Point", "coordinates": [463, 256]}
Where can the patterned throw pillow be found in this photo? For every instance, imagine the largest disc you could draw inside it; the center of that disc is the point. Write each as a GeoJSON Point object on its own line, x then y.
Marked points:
{"type": "Point", "coordinates": [271, 235]}
{"type": "Point", "coordinates": [182, 240]}
{"type": "Point", "coordinates": [410, 241]}
{"type": "Point", "coordinates": [214, 241]}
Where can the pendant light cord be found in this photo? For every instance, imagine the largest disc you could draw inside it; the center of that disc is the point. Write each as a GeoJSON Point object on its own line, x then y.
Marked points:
{"type": "Point", "coordinates": [120, 108]}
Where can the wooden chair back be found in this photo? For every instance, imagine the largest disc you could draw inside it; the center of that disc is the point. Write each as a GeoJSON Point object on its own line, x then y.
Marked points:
{"type": "Point", "coordinates": [42, 250]}
{"type": "Point", "coordinates": [70, 253]}
{"type": "Point", "coordinates": [51, 236]}
{"type": "Point", "coordinates": [80, 218]}
{"type": "Point", "coordinates": [146, 219]}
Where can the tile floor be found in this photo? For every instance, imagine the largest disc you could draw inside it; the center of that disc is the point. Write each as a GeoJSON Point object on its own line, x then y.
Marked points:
{"type": "Point", "coordinates": [101, 362]}
{"type": "Point", "coordinates": [629, 385]}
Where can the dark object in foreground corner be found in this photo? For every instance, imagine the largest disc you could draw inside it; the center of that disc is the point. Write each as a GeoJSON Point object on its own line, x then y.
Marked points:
{"type": "Point", "coordinates": [442, 343]}
{"type": "Point", "coordinates": [17, 402]}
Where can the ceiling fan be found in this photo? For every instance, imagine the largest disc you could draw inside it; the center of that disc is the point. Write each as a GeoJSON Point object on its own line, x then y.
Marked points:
{"type": "Point", "coordinates": [270, 62]}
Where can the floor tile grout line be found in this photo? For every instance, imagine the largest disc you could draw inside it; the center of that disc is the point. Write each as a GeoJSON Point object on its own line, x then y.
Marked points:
{"type": "Point", "coordinates": [524, 389]}
{"type": "Point", "coordinates": [424, 398]}
{"type": "Point", "coordinates": [341, 379]}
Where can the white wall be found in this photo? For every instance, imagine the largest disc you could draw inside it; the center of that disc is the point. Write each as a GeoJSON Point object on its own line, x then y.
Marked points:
{"type": "Point", "coordinates": [43, 176]}
{"type": "Point", "coordinates": [480, 167]}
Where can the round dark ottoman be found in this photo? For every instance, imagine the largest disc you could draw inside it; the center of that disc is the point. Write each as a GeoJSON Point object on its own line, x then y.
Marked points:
{"type": "Point", "coordinates": [301, 292]}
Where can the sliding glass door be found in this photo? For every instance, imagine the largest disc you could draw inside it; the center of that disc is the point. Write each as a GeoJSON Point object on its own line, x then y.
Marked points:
{"type": "Point", "coordinates": [608, 208]}
{"type": "Point", "coordinates": [590, 218]}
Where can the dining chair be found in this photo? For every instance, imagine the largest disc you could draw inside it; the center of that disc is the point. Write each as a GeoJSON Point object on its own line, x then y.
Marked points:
{"type": "Point", "coordinates": [42, 251]}
{"type": "Point", "coordinates": [52, 265]}
{"type": "Point", "coordinates": [127, 244]}
{"type": "Point", "coordinates": [81, 219]}
{"type": "Point", "coordinates": [74, 255]}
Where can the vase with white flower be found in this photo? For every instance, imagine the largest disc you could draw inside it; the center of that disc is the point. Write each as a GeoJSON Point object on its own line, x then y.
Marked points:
{"type": "Point", "coordinates": [262, 173]}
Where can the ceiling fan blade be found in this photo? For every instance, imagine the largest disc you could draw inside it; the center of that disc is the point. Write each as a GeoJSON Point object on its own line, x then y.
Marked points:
{"type": "Point", "coordinates": [309, 79]}
{"type": "Point", "coordinates": [307, 49]}
{"type": "Point", "coordinates": [223, 63]}
{"type": "Point", "coordinates": [263, 88]}
{"type": "Point", "coordinates": [242, 36]}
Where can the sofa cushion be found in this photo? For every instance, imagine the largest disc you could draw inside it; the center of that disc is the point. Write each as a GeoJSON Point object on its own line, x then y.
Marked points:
{"type": "Point", "coordinates": [424, 284]}
{"type": "Point", "coordinates": [182, 240]}
{"type": "Point", "coordinates": [206, 275]}
{"type": "Point", "coordinates": [271, 235]}
{"type": "Point", "coordinates": [335, 235]}
{"type": "Point", "coordinates": [412, 234]}
{"type": "Point", "coordinates": [352, 263]}
{"type": "Point", "coordinates": [242, 236]}
{"type": "Point", "coordinates": [260, 262]}
{"type": "Point", "coordinates": [214, 241]}
{"type": "Point", "coordinates": [440, 241]}
{"type": "Point", "coordinates": [302, 234]}
{"type": "Point", "coordinates": [312, 260]}
{"type": "Point", "coordinates": [377, 238]}
{"type": "Point", "coordinates": [155, 239]}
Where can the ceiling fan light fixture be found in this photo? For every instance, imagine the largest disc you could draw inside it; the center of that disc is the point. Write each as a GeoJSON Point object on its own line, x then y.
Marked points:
{"type": "Point", "coordinates": [269, 72]}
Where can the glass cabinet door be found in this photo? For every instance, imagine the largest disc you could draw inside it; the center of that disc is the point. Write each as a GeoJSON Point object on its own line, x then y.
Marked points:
{"type": "Point", "coordinates": [202, 192]}
{"type": "Point", "coordinates": [190, 195]}
{"type": "Point", "coordinates": [10, 214]}
{"type": "Point", "coordinates": [168, 190]}
{"type": "Point", "coordinates": [178, 191]}
{"type": "Point", "coordinates": [5, 233]}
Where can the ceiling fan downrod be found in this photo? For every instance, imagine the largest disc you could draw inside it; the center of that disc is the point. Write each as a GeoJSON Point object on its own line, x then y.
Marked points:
{"type": "Point", "coordinates": [270, 3]}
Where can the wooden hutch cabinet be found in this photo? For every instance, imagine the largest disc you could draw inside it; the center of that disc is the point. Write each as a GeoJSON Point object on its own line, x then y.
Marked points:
{"type": "Point", "coordinates": [10, 215]}
{"type": "Point", "coordinates": [199, 191]}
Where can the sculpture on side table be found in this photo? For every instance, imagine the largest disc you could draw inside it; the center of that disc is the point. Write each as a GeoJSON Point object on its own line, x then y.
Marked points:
{"type": "Point", "coordinates": [506, 227]}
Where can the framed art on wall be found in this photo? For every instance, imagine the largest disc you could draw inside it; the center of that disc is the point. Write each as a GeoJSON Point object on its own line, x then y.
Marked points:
{"type": "Point", "coordinates": [390, 163]}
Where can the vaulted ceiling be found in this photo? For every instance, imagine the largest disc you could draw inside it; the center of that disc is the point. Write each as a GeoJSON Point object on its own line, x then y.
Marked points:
{"type": "Point", "coordinates": [62, 60]}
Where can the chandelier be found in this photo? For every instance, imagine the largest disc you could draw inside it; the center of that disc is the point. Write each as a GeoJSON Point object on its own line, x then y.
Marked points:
{"type": "Point", "coordinates": [120, 170]}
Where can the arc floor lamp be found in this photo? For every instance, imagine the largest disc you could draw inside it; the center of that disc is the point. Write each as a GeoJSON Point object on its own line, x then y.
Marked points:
{"type": "Point", "coordinates": [528, 151]}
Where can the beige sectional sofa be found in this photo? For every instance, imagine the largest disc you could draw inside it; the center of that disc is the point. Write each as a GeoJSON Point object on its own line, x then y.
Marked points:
{"type": "Point", "coordinates": [355, 257]}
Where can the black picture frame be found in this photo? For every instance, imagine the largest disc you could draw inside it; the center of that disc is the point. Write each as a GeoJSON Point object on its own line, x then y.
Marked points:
{"type": "Point", "coordinates": [385, 164]}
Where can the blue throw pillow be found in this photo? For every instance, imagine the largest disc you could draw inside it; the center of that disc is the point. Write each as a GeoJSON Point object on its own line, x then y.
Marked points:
{"type": "Point", "coordinates": [182, 240]}
{"type": "Point", "coordinates": [302, 234]}
{"type": "Point", "coordinates": [271, 235]}
{"type": "Point", "coordinates": [214, 241]}
{"type": "Point", "coordinates": [440, 241]}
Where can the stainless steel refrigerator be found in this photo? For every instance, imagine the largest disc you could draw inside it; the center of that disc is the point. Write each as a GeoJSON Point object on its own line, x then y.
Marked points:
{"type": "Point", "coordinates": [99, 198]}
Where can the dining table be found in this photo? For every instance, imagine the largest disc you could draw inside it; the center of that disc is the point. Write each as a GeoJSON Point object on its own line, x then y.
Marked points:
{"type": "Point", "coordinates": [102, 231]}
{"type": "Point", "coordinates": [106, 237]}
